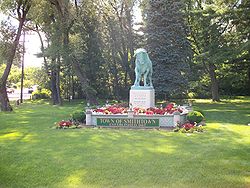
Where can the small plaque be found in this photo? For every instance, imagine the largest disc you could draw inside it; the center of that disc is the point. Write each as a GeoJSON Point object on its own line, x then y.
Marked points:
{"type": "Point", "coordinates": [142, 98]}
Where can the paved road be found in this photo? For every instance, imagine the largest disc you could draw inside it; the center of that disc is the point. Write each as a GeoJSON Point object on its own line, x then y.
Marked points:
{"type": "Point", "coordinates": [16, 95]}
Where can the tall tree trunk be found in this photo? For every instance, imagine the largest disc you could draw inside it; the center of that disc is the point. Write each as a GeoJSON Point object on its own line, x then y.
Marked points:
{"type": "Point", "coordinates": [22, 66]}
{"type": "Point", "coordinates": [248, 75]}
{"type": "Point", "coordinates": [130, 44]}
{"type": "Point", "coordinates": [54, 76]}
{"type": "Point", "coordinates": [63, 33]}
{"type": "Point", "coordinates": [42, 50]}
{"type": "Point", "coordinates": [58, 91]}
{"type": "Point", "coordinates": [214, 83]}
{"type": "Point", "coordinates": [73, 85]}
{"type": "Point", "coordinates": [4, 100]}
{"type": "Point", "coordinates": [55, 83]}
{"type": "Point", "coordinates": [113, 67]}
{"type": "Point", "coordinates": [22, 8]}
{"type": "Point", "coordinates": [115, 83]}
{"type": "Point", "coordinates": [53, 88]}
{"type": "Point", "coordinates": [122, 50]}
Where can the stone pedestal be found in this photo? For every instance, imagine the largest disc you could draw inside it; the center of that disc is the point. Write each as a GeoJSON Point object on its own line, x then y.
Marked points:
{"type": "Point", "coordinates": [177, 118]}
{"type": "Point", "coordinates": [143, 97]}
{"type": "Point", "coordinates": [130, 113]}
{"type": "Point", "coordinates": [88, 117]}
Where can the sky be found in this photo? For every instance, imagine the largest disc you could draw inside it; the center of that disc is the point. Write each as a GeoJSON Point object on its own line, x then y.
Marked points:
{"type": "Point", "coordinates": [32, 47]}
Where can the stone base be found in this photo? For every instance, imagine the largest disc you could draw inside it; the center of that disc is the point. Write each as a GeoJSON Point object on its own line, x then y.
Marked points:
{"type": "Point", "coordinates": [142, 97]}
{"type": "Point", "coordinates": [134, 120]}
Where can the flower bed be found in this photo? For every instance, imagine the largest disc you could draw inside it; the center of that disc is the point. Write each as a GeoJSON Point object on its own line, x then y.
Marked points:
{"type": "Point", "coordinates": [118, 115]}
{"type": "Point", "coordinates": [189, 127]}
{"type": "Point", "coordinates": [116, 109]}
{"type": "Point", "coordinates": [63, 124]}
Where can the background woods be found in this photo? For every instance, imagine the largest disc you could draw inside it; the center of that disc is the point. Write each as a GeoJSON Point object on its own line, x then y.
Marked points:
{"type": "Point", "coordinates": [198, 48]}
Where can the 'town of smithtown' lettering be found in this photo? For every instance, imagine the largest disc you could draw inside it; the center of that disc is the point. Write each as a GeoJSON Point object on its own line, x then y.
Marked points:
{"type": "Point", "coordinates": [127, 122]}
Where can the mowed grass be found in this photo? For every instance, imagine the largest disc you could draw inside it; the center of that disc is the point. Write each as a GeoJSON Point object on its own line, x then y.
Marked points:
{"type": "Point", "coordinates": [34, 154]}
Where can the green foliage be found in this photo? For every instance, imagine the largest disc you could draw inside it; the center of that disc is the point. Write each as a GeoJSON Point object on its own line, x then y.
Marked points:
{"type": "Point", "coordinates": [219, 38]}
{"type": "Point", "coordinates": [7, 34]}
{"type": "Point", "coordinates": [191, 95]}
{"type": "Point", "coordinates": [192, 130]}
{"type": "Point", "coordinates": [41, 94]}
{"type": "Point", "coordinates": [14, 76]}
{"type": "Point", "coordinates": [195, 116]}
{"type": "Point", "coordinates": [78, 117]}
{"type": "Point", "coordinates": [168, 46]}
{"type": "Point", "coordinates": [35, 76]}
{"type": "Point", "coordinates": [32, 76]}
{"type": "Point", "coordinates": [105, 46]}
{"type": "Point", "coordinates": [233, 79]}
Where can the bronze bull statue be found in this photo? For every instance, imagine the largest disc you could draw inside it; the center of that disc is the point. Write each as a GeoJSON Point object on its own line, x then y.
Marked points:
{"type": "Point", "coordinates": [143, 68]}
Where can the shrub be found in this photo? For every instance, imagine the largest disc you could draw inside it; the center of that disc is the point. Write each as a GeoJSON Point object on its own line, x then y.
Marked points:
{"type": "Point", "coordinates": [188, 128]}
{"type": "Point", "coordinates": [191, 95]}
{"type": "Point", "coordinates": [199, 110]}
{"type": "Point", "coordinates": [78, 117]}
{"type": "Point", "coordinates": [195, 116]}
{"type": "Point", "coordinates": [41, 94]}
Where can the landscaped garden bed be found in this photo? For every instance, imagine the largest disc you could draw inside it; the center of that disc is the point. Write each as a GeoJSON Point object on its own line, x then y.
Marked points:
{"type": "Point", "coordinates": [117, 115]}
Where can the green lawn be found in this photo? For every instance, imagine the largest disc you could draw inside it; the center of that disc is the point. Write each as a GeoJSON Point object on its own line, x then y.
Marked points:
{"type": "Point", "coordinates": [34, 154]}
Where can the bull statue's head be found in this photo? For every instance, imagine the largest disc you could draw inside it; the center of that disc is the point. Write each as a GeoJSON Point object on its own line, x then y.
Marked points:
{"type": "Point", "coordinates": [140, 54]}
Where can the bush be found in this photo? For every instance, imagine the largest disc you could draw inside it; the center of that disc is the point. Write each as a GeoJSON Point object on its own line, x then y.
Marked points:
{"type": "Point", "coordinates": [199, 110]}
{"type": "Point", "coordinates": [191, 95]}
{"type": "Point", "coordinates": [188, 128]}
{"type": "Point", "coordinates": [78, 117]}
{"type": "Point", "coordinates": [41, 94]}
{"type": "Point", "coordinates": [195, 116]}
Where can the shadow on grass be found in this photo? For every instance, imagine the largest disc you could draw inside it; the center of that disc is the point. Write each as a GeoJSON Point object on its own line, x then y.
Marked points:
{"type": "Point", "coordinates": [118, 158]}
{"type": "Point", "coordinates": [225, 112]}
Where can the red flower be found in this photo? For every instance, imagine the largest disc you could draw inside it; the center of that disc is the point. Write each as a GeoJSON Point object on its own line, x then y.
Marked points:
{"type": "Point", "coordinates": [99, 110]}
{"type": "Point", "coordinates": [170, 106]}
{"type": "Point", "coordinates": [118, 109]}
{"type": "Point", "coordinates": [65, 124]}
{"type": "Point", "coordinates": [188, 126]}
{"type": "Point", "coordinates": [149, 112]}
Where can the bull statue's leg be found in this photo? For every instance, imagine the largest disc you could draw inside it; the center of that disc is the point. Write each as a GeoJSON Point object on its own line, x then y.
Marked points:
{"type": "Point", "coordinates": [145, 79]}
{"type": "Point", "coordinates": [150, 78]}
{"type": "Point", "coordinates": [137, 78]}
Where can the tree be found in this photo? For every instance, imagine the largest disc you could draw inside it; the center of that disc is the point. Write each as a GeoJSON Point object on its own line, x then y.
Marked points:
{"type": "Point", "coordinates": [21, 9]}
{"type": "Point", "coordinates": [119, 41]}
{"type": "Point", "coordinates": [218, 42]}
{"type": "Point", "coordinates": [205, 36]}
{"type": "Point", "coordinates": [85, 51]}
{"type": "Point", "coordinates": [50, 17]}
{"type": "Point", "coordinates": [66, 16]}
{"type": "Point", "coordinates": [102, 46]}
{"type": "Point", "coordinates": [239, 41]}
{"type": "Point", "coordinates": [168, 46]}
